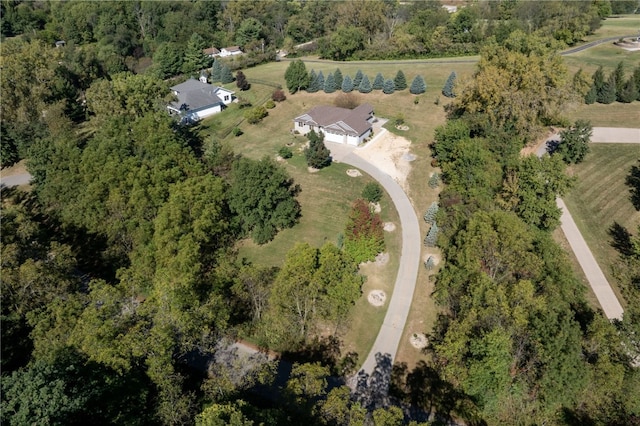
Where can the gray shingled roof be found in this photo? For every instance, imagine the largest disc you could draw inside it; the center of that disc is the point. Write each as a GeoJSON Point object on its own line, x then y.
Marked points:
{"type": "Point", "coordinates": [340, 120]}
{"type": "Point", "coordinates": [195, 94]}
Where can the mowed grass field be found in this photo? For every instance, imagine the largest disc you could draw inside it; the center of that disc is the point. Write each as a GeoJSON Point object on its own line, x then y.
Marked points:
{"type": "Point", "coordinates": [326, 196]}
{"type": "Point", "coordinates": [608, 56]}
{"type": "Point", "coordinates": [600, 197]}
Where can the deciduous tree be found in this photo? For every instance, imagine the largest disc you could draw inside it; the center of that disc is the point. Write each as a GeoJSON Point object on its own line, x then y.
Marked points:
{"type": "Point", "coordinates": [296, 76]}
{"type": "Point", "coordinates": [574, 142]}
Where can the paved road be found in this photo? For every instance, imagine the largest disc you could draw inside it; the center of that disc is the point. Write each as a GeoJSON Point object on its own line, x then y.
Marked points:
{"type": "Point", "coordinates": [598, 282]}
{"type": "Point", "coordinates": [15, 180]}
{"type": "Point", "coordinates": [400, 301]}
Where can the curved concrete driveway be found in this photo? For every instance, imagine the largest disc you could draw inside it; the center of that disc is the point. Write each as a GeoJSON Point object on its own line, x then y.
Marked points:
{"type": "Point", "coordinates": [400, 302]}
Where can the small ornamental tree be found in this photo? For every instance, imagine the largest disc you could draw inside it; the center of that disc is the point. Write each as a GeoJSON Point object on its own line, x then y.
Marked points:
{"type": "Point", "coordinates": [347, 100]}
{"type": "Point", "coordinates": [317, 154]}
{"type": "Point", "coordinates": [225, 75]}
{"type": "Point", "coordinates": [434, 180]}
{"type": "Point", "coordinates": [619, 74]}
{"type": "Point", "coordinates": [449, 85]}
{"type": "Point", "coordinates": [598, 83]}
{"type": "Point", "coordinates": [255, 115]}
{"type": "Point", "coordinates": [329, 84]}
{"type": "Point", "coordinates": [216, 71]}
{"type": "Point", "coordinates": [313, 82]}
{"type": "Point", "coordinates": [320, 80]}
{"type": "Point", "coordinates": [347, 84]}
{"type": "Point", "coordinates": [296, 76]}
{"type": "Point", "coordinates": [432, 211]}
{"type": "Point", "coordinates": [591, 96]}
{"type": "Point", "coordinates": [629, 91]}
{"type": "Point", "coordinates": [574, 142]}
{"type": "Point", "coordinates": [400, 81]}
{"type": "Point", "coordinates": [389, 87]}
{"type": "Point", "coordinates": [241, 81]}
{"type": "Point", "coordinates": [358, 78]}
{"type": "Point", "coordinates": [372, 192]}
{"type": "Point", "coordinates": [337, 77]}
{"type": "Point", "coordinates": [430, 263]}
{"type": "Point", "coordinates": [609, 90]}
{"type": "Point", "coordinates": [418, 86]}
{"type": "Point", "coordinates": [378, 82]}
{"type": "Point", "coordinates": [365, 85]}
{"type": "Point", "coordinates": [364, 233]}
{"type": "Point", "coordinates": [278, 95]}
{"type": "Point", "coordinates": [432, 236]}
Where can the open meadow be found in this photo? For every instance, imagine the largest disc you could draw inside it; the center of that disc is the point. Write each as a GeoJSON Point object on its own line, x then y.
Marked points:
{"type": "Point", "coordinates": [601, 198]}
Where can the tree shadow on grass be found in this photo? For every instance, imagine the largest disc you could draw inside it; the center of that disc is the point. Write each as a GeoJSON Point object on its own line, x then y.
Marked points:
{"type": "Point", "coordinates": [633, 181]}
{"type": "Point", "coordinates": [621, 239]}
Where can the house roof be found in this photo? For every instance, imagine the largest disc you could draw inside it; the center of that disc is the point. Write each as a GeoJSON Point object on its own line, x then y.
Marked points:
{"type": "Point", "coordinates": [211, 51]}
{"type": "Point", "coordinates": [196, 94]}
{"type": "Point", "coordinates": [340, 120]}
{"type": "Point", "coordinates": [232, 49]}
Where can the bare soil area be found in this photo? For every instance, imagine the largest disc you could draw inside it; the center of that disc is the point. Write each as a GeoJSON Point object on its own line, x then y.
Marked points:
{"type": "Point", "coordinates": [389, 153]}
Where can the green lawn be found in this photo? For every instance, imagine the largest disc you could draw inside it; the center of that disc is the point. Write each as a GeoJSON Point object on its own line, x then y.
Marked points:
{"type": "Point", "coordinates": [601, 197]}
{"type": "Point", "coordinates": [617, 26]}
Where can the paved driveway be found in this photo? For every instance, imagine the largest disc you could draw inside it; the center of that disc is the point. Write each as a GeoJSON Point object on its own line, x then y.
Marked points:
{"type": "Point", "coordinates": [400, 301]}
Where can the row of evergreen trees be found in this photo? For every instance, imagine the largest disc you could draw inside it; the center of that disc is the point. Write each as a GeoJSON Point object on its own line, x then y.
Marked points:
{"type": "Point", "coordinates": [614, 88]}
{"type": "Point", "coordinates": [360, 82]}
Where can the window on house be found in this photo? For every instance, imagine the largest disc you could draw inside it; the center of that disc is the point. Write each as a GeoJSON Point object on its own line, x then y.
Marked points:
{"type": "Point", "coordinates": [226, 98]}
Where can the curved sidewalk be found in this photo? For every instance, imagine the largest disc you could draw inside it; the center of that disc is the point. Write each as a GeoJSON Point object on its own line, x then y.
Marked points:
{"type": "Point", "coordinates": [390, 333]}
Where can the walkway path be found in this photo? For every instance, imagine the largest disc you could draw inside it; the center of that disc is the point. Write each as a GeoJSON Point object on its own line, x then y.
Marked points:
{"type": "Point", "coordinates": [598, 282]}
{"type": "Point", "coordinates": [400, 302]}
{"type": "Point", "coordinates": [15, 180]}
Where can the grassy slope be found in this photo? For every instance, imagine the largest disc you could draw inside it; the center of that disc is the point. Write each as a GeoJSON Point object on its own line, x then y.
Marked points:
{"type": "Point", "coordinates": [601, 197]}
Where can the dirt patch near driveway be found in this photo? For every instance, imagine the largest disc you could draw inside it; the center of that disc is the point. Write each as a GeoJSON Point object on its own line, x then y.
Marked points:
{"type": "Point", "coordinates": [389, 153]}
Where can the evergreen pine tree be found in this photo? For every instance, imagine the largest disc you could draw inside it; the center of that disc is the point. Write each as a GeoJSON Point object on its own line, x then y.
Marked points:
{"type": "Point", "coordinates": [313, 82]}
{"type": "Point", "coordinates": [225, 75]}
{"type": "Point", "coordinates": [449, 85]}
{"type": "Point", "coordinates": [317, 154]}
{"type": "Point", "coordinates": [320, 80]}
{"type": "Point", "coordinates": [629, 91]}
{"type": "Point", "coordinates": [598, 83]}
{"type": "Point", "coordinates": [430, 263]}
{"type": "Point", "coordinates": [357, 79]}
{"type": "Point", "coordinates": [434, 180]}
{"type": "Point", "coordinates": [365, 85]}
{"type": "Point", "coordinates": [337, 76]}
{"type": "Point", "coordinates": [591, 96]}
{"type": "Point", "coordinates": [194, 59]}
{"type": "Point", "coordinates": [329, 84]}
{"type": "Point", "coordinates": [432, 236]}
{"type": "Point", "coordinates": [400, 81]}
{"type": "Point", "coordinates": [389, 87]}
{"type": "Point", "coordinates": [430, 215]}
{"type": "Point", "coordinates": [241, 81]}
{"type": "Point", "coordinates": [609, 90]}
{"type": "Point", "coordinates": [216, 71]}
{"type": "Point", "coordinates": [347, 84]}
{"type": "Point", "coordinates": [378, 82]}
{"type": "Point", "coordinates": [418, 85]}
{"type": "Point", "coordinates": [620, 81]}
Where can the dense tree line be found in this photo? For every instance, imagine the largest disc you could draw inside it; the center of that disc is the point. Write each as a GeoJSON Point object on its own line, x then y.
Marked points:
{"type": "Point", "coordinates": [516, 335]}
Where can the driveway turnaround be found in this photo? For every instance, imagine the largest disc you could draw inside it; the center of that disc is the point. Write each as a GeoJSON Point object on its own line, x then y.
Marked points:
{"type": "Point", "coordinates": [400, 302]}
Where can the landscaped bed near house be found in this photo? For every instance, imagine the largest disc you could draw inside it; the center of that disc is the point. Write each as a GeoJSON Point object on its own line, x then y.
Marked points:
{"type": "Point", "coordinates": [600, 197]}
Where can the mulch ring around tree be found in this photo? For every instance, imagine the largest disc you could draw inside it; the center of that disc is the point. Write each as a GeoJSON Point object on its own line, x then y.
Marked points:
{"type": "Point", "coordinates": [354, 173]}
{"type": "Point", "coordinates": [377, 297]}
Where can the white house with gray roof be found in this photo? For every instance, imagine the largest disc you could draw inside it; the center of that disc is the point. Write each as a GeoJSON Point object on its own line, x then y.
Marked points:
{"type": "Point", "coordinates": [198, 100]}
{"type": "Point", "coordinates": [341, 125]}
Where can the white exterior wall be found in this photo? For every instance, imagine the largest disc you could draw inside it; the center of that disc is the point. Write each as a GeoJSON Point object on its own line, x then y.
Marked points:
{"type": "Point", "coordinates": [199, 115]}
